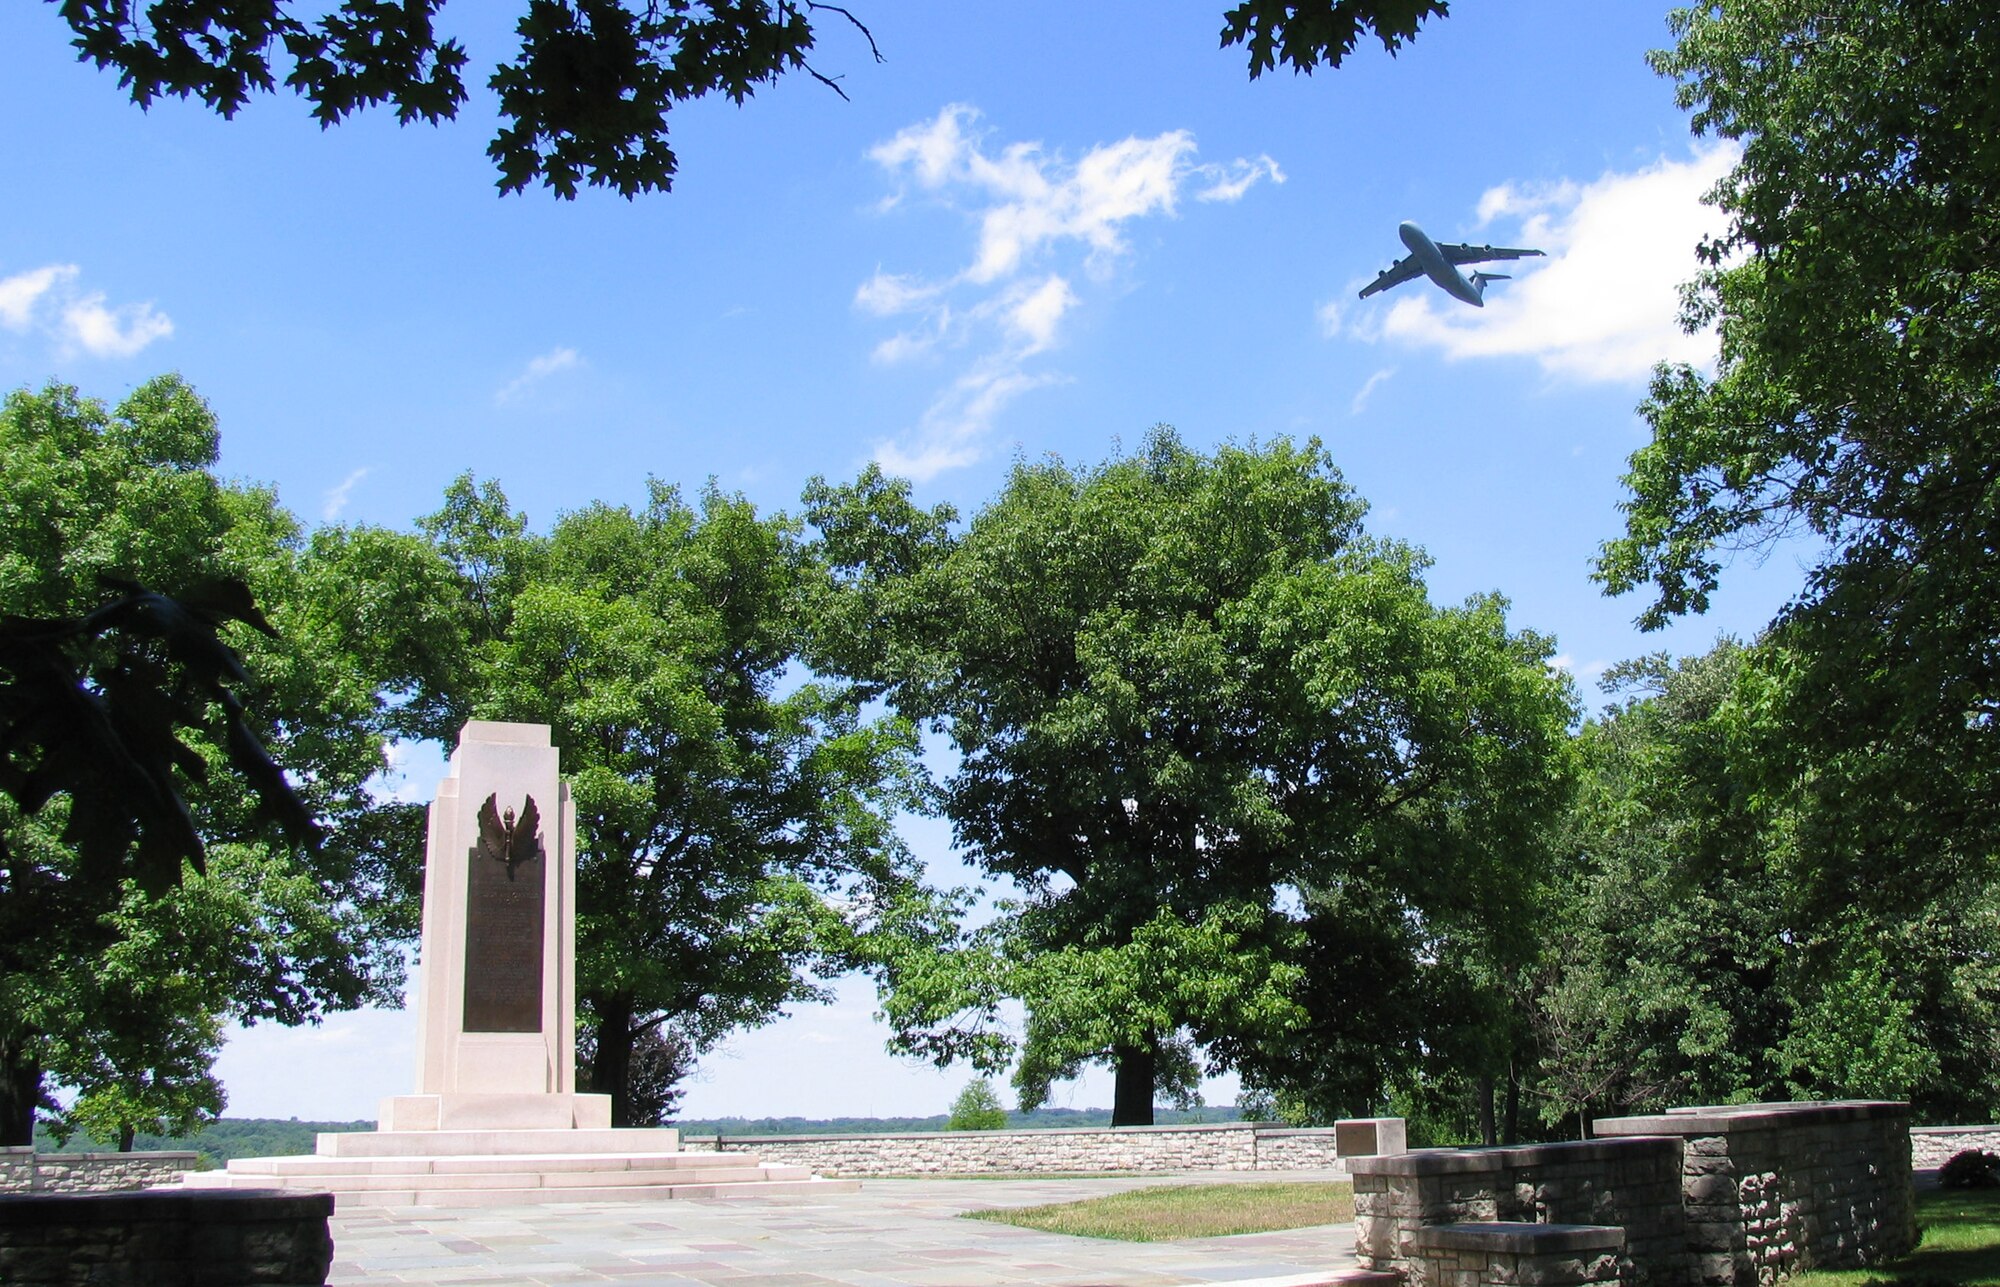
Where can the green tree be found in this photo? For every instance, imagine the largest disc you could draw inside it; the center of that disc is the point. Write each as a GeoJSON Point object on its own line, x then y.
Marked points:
{"type": "Point", "coordinates": [1662, 977]}
{"type": "Point", "coordinates": [1690, 955]}
{"type": "Point", "coordinates": [1201, 716]}
{"type": "Point", "coordinates": [1858, 304]}
{"type": "Point", "coordinates": [116, 971]}
{"type": "Point", "coordinates": [586, 98]}
{"type": "Point", "coordinates": [977, 1108]}
{"type": "Point", "coordinates": [733, 816]}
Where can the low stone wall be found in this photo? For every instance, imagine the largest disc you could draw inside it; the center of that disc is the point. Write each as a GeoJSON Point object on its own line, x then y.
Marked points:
{"type": "Point", "coordinates": [1932, 1146]}
{"type": "Point", "coordinates": [1631, 1184]}
{"type": "Point", "coordinates": [1773, 1189]}
{"type": "Point", "coordinates": [1225, 1146]}
{"type": "Point", "coordinates": [1725, 1197]}
{"type": "Point", "coordinates": [165, 1239]}
{"type": "Point", "coordinates": [22, 1170]}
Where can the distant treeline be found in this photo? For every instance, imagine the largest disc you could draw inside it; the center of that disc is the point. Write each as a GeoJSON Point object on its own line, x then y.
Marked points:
{"type": "Point", "coordinates": [279, 1137]}
{"type": "Point", "coordinates": [1040, 1119]}
{"type": "Point", "coordinates": [231, 1137]}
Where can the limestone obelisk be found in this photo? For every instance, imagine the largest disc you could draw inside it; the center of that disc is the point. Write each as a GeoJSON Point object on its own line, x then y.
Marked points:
{"type": "Point", "coordinates": [496, 1005]}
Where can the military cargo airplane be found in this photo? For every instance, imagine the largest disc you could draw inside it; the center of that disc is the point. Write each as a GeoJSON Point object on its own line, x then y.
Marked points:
{"type": "Point", "coordinates": [1439, 261]}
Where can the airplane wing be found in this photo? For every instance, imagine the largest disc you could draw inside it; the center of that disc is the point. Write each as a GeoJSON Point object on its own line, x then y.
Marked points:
{"type": "Point", "coordinates": [1394, 275]}
{"type": "Point", "coordinates": [1463, 254]}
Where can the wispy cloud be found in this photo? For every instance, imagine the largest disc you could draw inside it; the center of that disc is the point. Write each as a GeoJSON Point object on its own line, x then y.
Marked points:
{"type": "Point", "coordinates": [537, 370]}
{"type": "Point", "coordinates": [47, 299]}
{"type": "Point", "coordinates": [1587, 673]}
{"type": "Point", "coordinates": [1605, 305]}
{"type": "Point", "coordinates": [1230, 182]}
{"type": "Point", "coordinates": [1368, 388]}
{"type": "Point", "coordinates": [335, 501]}
{"type": "Point", "coordinates": [1043, 223]}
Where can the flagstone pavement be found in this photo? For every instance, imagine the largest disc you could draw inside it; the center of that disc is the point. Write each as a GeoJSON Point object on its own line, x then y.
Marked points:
{"type": "Point", "coordinates": [892, 1233]}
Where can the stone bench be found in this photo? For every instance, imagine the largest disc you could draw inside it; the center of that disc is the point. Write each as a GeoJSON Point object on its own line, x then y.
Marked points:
{"type": "Point", "coordinates": [165, 1238]}
{"type": "Point", "coordinates": [1512, 1254]}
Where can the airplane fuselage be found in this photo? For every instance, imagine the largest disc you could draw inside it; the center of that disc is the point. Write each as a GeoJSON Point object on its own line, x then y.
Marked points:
{"type": "Point", "coordinates": [1437, 267]}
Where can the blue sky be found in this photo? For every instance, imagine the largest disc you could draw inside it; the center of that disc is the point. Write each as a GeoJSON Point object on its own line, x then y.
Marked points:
{"type": "Point", "coordinates": [1038, 227]}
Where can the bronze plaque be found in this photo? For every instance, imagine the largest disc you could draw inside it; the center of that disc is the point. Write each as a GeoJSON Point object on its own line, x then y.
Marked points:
{"type": "Point", "coordinates": [503, 935]}
{"type": "Point", "coordinates": [1355, 1138]}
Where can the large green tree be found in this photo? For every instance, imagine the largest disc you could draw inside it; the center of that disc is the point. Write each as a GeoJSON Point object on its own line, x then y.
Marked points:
{"type": "Point", "coordinates": [1691, 955]}
{"type": "Point", "coordinates": [1659, 982]}
{"type": "Point", "coordinates": [1854, 404]}
{"type": "Point", "coordinates": [733, 814]}
{"type": "Point", "coordinates": [586, 98]}
{"type": "Point", "coordinates": [121, 950]}
{"type": "Point", "coordinates": [1201, 716]}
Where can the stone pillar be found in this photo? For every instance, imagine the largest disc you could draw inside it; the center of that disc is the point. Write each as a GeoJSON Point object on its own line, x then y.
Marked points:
{"type": "Point", "coordinates": [496, 1003]}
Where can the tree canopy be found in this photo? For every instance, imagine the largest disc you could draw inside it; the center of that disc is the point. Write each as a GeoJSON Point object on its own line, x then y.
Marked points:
{"type": "Point", "coordinates": [1854, 404]}
{"type": "Point", "coordinates": [1692, 958]}
{"type": "Point", "coordinates": [733, 817]}
{"type": "Point", "coordinates": [1198, 711]}
{"type": "Point", "coordinates": [585, 100]}
{"type": "Point", "coordinates": [135, 745]}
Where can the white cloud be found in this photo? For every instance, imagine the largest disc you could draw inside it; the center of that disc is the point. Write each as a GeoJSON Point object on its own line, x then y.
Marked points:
{"type": "Point", "coordinates": [1330, 316]}
{"type": "Point", "coordinates": [20, 293]}
{"type": "Point", "coordinates": [886, 294]}
{"type": "Point", "coordinates": [1230, 182]}
{"type": "Point", "coordinates": [1605, 304]}
{"type": "Point", "coordinates": [953, 429]}
{"type": "Point", "coordinates": [1373, 383]}
{"type": "Point", "coordinates": [1033, 315]}
{"type": "Point", "coordinates": [336, 498]}
{"type": "Point", "coordinates": [101, 331]}
{"type": "Point", "coordinates": [901, 347]}
{"type": "Point", "coordinates": [537, 370]}
{"type": "Point", "coordinates": [1587, 673]}
{"type": "Point", "coordinates": [48, 300]}
{"type": "Point", "coordinates": [1029, 206]}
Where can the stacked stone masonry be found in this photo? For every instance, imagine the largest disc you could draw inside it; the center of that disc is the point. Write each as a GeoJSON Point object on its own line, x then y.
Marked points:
{"type": "Point", "coordinates": [22, 1170]}
{"type": "Point", "coordinates": [1932, 1146]}
{"type": "Point", "coordinates": [1231, 1146]}
{"type": "Point", "coordinates": [164, 1239]}
{"type": "Point", "coordinates": [1520, 1255]}
{"type": "Point", "coordinates": [1726, 1197]}
{"type": "Point", "coordinates": [1771, 1190]}
{"type": "Point", "coordinates": [1630, 1184]}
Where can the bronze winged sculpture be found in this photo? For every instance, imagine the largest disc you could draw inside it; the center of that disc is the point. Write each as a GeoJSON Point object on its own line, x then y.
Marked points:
{"type": "Point", "coordinates": [506, 838]}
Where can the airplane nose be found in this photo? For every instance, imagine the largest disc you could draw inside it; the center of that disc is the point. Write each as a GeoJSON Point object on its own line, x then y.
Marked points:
{"type": "Point", "coordinates": [1405, 228]}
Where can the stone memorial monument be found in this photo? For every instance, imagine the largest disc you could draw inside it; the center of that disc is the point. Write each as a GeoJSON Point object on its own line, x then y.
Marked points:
{"type": "Point", "coordinates": [496, 1117]}
{"type": "Point", "coordinates": [496, 1014]}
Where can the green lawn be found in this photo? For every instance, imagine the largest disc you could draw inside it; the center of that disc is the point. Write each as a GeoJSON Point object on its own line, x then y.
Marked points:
{"type": "Point", "coordinates": [1187, 1211]}
{"type": "Point", "coordinates": [1960, 1244]}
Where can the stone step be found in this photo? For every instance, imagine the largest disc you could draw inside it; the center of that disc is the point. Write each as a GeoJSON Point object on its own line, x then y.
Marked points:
{"type": "Point", "coordinates": [616, 1193]}
{"type": "Point", "coordinates": [492, 1162]}
{"type": "Point", "coordinates": [628, 1139]}
{"type": "Point", "coordinates": [515, 1178]}
{"type": "Point", "coordinates": [411, 1196]}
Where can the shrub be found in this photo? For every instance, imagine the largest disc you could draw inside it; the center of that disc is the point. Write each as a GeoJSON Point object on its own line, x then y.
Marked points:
{"type": "Point", "coordinates": [977, 1108]}
{"type": "Point", "coordinates": [1972, 1169]}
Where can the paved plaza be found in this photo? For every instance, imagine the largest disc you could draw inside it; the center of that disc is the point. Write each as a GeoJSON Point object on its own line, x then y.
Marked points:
{"type": "Point", "coordinates": [892, 1233]}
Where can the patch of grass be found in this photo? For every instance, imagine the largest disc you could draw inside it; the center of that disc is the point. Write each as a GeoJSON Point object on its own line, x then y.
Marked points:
{"type": "Point", "coordinates": [1187, 1211]}
{"type": "Point", "coordinates": [1960, 1244]}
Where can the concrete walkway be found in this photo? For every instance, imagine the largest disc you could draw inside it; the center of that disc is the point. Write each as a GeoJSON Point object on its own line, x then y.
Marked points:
{"type": "Point", "coordinates": [893, 1233]}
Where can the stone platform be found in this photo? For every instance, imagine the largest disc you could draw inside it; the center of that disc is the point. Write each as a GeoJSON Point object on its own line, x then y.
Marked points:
{"type": "Point", "coordinates": [504, 1168]}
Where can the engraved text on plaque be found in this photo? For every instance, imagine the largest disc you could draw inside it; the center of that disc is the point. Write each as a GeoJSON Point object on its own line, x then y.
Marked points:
{"type": "Point", "coordinates": [503, 925]}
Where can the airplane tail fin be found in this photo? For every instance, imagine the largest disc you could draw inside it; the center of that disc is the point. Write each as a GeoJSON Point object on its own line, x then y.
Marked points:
{"type": "Point", "coordinates": [1479, 281]}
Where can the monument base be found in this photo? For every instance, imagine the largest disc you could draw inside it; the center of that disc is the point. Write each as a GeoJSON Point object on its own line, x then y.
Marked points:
{"type": "Point", "coordinates": [459, 1168]}
{"type": "Point", "coordinates": [495, 1112]}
